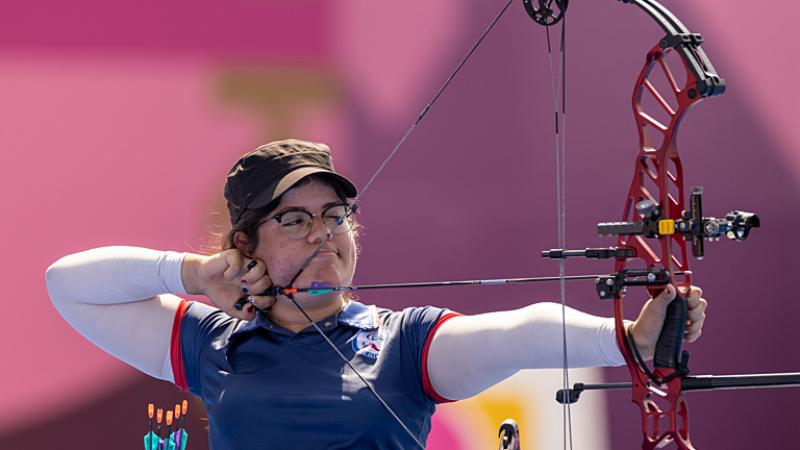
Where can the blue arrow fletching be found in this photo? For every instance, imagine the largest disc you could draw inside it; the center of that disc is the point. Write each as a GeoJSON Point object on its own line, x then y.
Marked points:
{"type": "Point", "coordinates": [313, 292]}
{"type": "Point", "coordinates": [151, 441]}
{"type": "Point", "coordinates": [319, 288]}
{"type": "Point", "coordinates": [184, 438]}
{"type": "Point", "coordinates": [178, 440]}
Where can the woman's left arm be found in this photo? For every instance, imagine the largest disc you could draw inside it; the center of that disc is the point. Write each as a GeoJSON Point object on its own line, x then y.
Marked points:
{"type": "Point", "coordinates": [469, 354]}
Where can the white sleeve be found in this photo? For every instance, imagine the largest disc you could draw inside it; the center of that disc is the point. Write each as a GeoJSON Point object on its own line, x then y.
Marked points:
{"type": "Point", "coordinates": [469, 354]}
{"type": "Point", "coordinates": [119, 299]}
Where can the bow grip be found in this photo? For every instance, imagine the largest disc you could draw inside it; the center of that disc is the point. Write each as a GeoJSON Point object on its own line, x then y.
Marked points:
{"type": "Point", "coordinates": [669, 347]}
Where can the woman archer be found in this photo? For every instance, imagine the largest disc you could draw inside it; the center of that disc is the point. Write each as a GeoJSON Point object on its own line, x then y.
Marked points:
{"type": "Point", "coordinates": [263, 365]}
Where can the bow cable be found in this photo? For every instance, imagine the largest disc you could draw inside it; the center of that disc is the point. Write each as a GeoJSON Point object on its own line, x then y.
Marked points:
{"type": "Point", "coordinates": [559, 88]}
{"type": "Point", "coordinates": [432, 101]}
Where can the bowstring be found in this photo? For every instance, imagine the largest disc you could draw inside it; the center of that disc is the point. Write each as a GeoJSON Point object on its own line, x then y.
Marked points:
{"type": "Point", "coordinates": [369, 386]}
{"type": "Point", "coordinates": [432, 101]}
{"type": "Point", "coordinates": [330, 343]}
{"type": "Point", "coordinates": [358, 197]}
{"type": "Point", "coordinates": [559, 89]}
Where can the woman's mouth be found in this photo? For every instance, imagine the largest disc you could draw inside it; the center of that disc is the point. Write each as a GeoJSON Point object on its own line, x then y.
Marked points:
{"type": "Point", "coordinates": [326, 254]}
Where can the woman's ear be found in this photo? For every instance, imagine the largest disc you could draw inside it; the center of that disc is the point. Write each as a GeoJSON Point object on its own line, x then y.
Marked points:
{"type": "Point", "coordinates": [242, 243]}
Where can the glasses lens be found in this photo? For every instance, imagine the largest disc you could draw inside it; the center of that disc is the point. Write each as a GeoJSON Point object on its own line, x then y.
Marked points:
{"type": "Point", "coordinates": [295, 223]}
{"type": "Point", "coordinates": [338, 218]}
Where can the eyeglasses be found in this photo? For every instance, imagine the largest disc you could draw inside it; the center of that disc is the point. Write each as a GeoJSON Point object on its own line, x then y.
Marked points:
{"type": "Point", "coordinates": [297, 223]}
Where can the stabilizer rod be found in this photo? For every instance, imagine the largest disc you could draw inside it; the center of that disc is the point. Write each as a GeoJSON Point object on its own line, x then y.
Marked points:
{"type": "Point", "coordinates": [696, 383]}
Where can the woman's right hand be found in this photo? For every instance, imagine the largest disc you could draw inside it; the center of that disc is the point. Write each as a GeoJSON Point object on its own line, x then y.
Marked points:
{"type": "Point", "coordinates": [226, 277]}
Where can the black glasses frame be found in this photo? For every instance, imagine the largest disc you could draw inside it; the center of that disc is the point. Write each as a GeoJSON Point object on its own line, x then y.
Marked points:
{"type": "Point", "coordinates": [350, 210]}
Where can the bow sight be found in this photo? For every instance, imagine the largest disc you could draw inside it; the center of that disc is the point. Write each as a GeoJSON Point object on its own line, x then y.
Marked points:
{"type": "Point", "coordinates": [692, 226]}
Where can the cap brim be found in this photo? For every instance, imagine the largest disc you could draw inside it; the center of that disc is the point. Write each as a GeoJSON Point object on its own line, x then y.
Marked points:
{"type": "Point", "coordinates": [292, 178]}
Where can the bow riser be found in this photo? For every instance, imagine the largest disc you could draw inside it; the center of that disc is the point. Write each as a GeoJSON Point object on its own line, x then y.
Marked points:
{"type": "Point", "coordinates": [658, 177]}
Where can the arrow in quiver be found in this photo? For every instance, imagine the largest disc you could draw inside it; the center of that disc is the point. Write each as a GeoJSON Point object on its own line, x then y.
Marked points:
{"type": "Point", "coordinates": [172, 440]}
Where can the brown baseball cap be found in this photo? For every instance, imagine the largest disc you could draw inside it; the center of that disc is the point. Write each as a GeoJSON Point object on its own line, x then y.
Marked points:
{"type": "Point", "coordinates": [264, 174]}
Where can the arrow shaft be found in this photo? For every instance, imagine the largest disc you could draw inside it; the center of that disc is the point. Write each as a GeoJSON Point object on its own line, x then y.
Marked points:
{"type": "Point", "coordinates": [322, 289]}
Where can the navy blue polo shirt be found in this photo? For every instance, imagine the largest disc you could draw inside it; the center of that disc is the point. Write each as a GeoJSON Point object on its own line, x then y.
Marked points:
{"type": "Point", "coordinates": [265, 387]}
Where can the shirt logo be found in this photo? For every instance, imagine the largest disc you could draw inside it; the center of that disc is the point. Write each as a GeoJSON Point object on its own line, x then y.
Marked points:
{"type": "Point", "coordinates": [369, 343]}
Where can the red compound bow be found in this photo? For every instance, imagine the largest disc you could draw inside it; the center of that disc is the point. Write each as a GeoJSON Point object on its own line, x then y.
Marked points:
{"type": "Point", "coordinates": [656, 229]}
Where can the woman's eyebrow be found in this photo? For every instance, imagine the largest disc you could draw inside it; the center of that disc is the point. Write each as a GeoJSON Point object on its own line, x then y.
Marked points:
{"type": "Point", "coordinates": [299, 208]}
{"type": "Point", "coordinates": [288, 209]}
{"type": "Point", "coordinates": [335, 203]}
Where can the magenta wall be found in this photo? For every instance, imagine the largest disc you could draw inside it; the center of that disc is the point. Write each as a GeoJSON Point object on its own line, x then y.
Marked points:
{"type": "Point", "coordinates": [118, 122]}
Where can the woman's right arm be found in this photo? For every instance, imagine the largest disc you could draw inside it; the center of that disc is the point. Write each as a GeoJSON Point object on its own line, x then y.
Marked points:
{"type": "Point", "coordinates": [122, 300]}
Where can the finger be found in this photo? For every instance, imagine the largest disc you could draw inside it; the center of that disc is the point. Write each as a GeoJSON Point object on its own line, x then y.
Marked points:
{"type": "Point", "coordinates": [245, 302]}
{"type": "Point", "coordinates": [694, 326]}
{"type": "Point", "coordinates": [693, 336]}
{"type": "Point", "coordinates": [248, 313]}
{"type": "Point", "coordinates": [242, 309]}
{"type": "Point", "coordinates": [241, 303]}
{"type": "Point", "coordinates": [255, 269]}
{"type": "Point", "coordinates": [699, 311]}
{"type": "Point", "coordinates": [234, 260]}
{"type": "Point", "coordinates": [694, 330]}
{"type": "Point", "coordinates": [663, 299]}
{"type": "Point", "coordinates": [262, 302]}
{"type": "Point", "coordinates": [260, 286]}
{"type": "Point", "coordinates": [693, 297]}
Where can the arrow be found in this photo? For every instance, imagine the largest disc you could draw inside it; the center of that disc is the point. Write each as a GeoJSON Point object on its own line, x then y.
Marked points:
{"type": "Point", "coordinates": [150, 439]}
{"type": "Point", "coordinates": [318, 288]}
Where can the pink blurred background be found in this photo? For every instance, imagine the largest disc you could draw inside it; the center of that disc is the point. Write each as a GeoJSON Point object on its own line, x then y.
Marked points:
{"type": "Point", "coordinates": [118, 122]}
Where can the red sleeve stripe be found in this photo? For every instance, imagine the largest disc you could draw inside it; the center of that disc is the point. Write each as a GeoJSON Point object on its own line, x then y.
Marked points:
{"type": "Point", "coordinates": [426, 380]}
{"type": "Point", "coordinates": [175, 347]}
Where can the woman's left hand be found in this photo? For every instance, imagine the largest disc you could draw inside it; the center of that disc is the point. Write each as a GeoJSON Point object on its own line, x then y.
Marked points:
{"type": "Point", "coordinates": [648, 325]}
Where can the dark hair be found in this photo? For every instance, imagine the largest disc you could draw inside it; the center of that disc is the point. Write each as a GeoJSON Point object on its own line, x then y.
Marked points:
{"type": "Point", "coordinates": [251, 218]}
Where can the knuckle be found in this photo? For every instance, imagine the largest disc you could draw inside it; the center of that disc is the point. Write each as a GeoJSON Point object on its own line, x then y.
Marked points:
{"type": "Point", "coordinates": [697, 291]}
{"type": "Point", "coordinates": [260, 269]}
{"type": "Point", "coordinates": [259, 286]}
